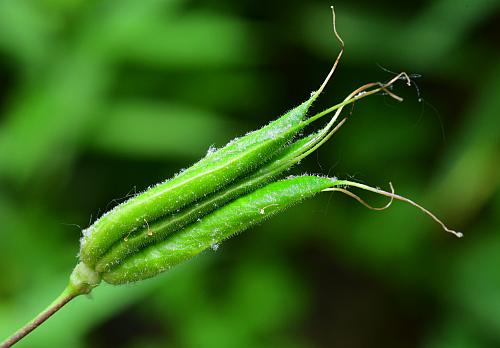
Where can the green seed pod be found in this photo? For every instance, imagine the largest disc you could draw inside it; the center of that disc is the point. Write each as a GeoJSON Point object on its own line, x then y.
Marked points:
{"type": "Point", "coordinates": [155, 232]}
{"type": "Point", "coordinates": [223, 223]}
{"type": "Point", "coordinates": [206, 176]}
{"type": "Point", "coordinates": [226, 192]}
{"type": "Point", "coordinates": [207, 213]}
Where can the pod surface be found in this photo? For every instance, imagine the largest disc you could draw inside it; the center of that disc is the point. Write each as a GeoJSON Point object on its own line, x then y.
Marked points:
{"type": "Point", "coordinates": [209, 174]}
{"type": "Point", "coordinates": [223, 223]}
{"type": "Point", "coordinates": [153, 233]}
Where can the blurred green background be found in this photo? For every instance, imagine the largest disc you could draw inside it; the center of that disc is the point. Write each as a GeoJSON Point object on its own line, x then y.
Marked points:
{"type": "Point", "coordinates": [99, 99]}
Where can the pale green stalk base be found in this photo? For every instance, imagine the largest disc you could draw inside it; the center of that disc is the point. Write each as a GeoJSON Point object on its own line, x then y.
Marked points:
{"type": "Point", "coordinates": [82, 281]}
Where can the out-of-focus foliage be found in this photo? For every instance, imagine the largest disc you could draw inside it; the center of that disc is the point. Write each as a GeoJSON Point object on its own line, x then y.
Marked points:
{"type": "Point", "coordinates": [100, 99]}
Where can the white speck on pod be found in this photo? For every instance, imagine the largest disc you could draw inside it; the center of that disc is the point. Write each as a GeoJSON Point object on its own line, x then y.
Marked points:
{"type": "Point", "coordinates": [211, 150]}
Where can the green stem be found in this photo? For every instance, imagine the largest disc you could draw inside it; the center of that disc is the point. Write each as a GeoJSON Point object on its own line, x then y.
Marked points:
{"type": "Point", "coordinates": [82, 280]}
{"type": "Point", "coordinates": [67, 295]}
